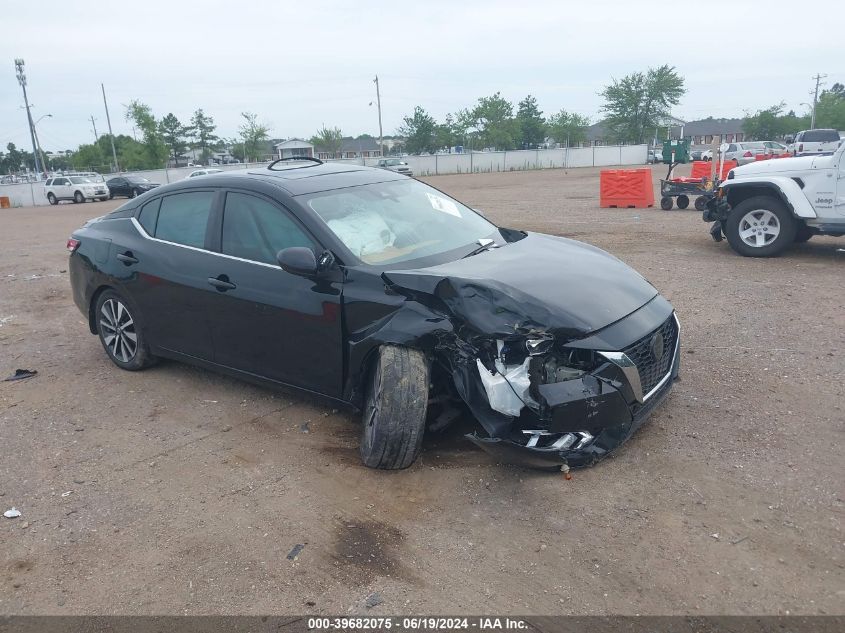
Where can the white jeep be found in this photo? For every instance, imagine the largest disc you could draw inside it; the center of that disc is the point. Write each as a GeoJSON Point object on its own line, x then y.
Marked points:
{"type": "Point", "coordinates": [765, 206]}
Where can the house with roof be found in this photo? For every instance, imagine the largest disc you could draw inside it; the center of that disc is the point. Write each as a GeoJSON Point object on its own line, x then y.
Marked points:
{"type": "Point", "coordinates": [293, 147]}
{"type": "Point", "coordinates": [706, 131]}
{"type": "Point", "coordinates": [352, 148]}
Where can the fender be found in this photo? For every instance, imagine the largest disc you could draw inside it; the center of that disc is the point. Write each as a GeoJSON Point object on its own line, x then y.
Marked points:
{"type": "Point", "coordinates": [786, 188]}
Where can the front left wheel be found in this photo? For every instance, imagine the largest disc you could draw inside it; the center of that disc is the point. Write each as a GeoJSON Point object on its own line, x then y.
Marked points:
{"type": "Point", "coordinates": [395, 408]}
{"type": "Point", "coordinates": [78, 197]}
{"type": "Point", "coordinates": [760, 226]}
{"type": "Point", "coordinates": [120, 333]}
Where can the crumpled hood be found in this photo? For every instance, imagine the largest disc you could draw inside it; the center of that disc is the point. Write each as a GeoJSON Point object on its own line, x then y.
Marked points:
{"type": "Point", "coordinates": [540, 282]}
{"type": "Point", "coordinates": [779, 165]}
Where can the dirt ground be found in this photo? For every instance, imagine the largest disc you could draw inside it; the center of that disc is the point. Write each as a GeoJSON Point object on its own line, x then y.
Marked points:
{"type": "Point", "coordinates": [175, 490]}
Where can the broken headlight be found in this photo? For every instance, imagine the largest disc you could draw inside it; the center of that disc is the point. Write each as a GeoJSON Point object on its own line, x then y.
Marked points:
{"type": "Point", "coordinates": [568, 364]}
{"type": "Point", "coordinates": [539, 346]}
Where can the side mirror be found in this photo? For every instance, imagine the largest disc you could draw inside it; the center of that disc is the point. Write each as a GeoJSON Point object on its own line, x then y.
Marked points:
{"type": "Point", "coordinates": [298, 260]}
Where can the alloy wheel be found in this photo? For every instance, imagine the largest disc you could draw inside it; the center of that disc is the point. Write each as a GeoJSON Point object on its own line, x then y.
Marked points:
{"type": "Point", "coordinates": [118, 330]}
{"type": "Point", "coordinates": [759, 228]}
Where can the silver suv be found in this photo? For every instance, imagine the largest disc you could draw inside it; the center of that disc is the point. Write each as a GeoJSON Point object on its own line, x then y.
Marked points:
{"type": "Point", "coordinates": [76, 188]}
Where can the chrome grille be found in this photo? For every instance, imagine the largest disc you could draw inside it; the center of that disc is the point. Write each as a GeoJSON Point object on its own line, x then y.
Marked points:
{"type": "Point", "coordinates": [653, 370]}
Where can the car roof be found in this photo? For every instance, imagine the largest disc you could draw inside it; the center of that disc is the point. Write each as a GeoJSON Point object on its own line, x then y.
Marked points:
{"type": "Point", "coordinates": [298, 178]}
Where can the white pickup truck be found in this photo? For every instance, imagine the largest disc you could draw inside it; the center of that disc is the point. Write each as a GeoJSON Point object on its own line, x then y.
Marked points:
{"type": "Point", "coordinates": [766, 206]}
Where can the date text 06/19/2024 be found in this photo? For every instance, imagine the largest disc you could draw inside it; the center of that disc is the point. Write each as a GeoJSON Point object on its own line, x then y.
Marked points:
{"type": "Point", "coordinates": [422, 623]}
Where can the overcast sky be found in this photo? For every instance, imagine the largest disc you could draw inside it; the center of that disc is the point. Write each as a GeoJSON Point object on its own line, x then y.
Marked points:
{"type": "Point", "coordinates": [299, 64]}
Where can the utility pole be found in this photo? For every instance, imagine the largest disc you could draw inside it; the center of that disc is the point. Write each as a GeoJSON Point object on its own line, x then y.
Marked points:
{"type": "Point", "coordinates": [111, 134]}
{"type": "Point", "coordinates": [378, 101]}
{"type": "Point", "coordinates": [19, 64]}
{"type": "Point", "coordinates": [96, 136]}
{"type": "Point", "coordinates": [818, 79]}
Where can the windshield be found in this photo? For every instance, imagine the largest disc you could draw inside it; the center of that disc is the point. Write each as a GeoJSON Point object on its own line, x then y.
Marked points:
{"type": "Point", "coordinates": [390, 222]}
{"type": "Point", "coordinates": [78, 180]}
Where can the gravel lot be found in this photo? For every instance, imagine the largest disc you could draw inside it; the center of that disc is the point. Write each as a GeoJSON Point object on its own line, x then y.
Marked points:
{"type": "Point", "coordinates": [175, 490]}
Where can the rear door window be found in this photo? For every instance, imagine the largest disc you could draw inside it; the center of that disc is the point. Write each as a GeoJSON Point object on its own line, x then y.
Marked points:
{"type": "Point", "coordinates": [256, 229]}
{"type": "Point", "coordinates": [183, 218]}
{"type": "Point", "coordinates": [148, 217]}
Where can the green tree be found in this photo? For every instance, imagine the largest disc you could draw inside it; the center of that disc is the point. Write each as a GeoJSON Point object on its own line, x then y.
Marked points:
{"type": "Point", "coordinates": [14, 159]}
{"type": "Point", "coordinates": [253, 134]}
{"type": "Point", "coordinates": [418, 130]}
{"type": "Point", "coordinates": [830, 110]}
{"type": "Point", "coordinates": [87, 157]}
{"type": "Point", "coordinates": [446, 134]}
{"type": "Point", "coordinates": [202, 131]}
{"type": "Point", "coordinates": [640, 102]}
{"type": "Point", "coordinates": [771, 123]}
{"type": "Point", "coordinates": [494, 118]}
{"type": "Point", "coordinates": [532, 125]}
{"type": "Point", "coordinates": [329, 140]}
{"type": "Point", "coordinates": [567, 128]}
{"type": "Point", "coordinates": [155, 151]}
{"type": "Point", "coordinates": [173, 134]}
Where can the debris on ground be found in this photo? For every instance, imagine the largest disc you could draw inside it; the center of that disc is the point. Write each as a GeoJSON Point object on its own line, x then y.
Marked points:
{"type": "Point", "coordinates": [373, 600]}
{"type": "Point", "coordinates": [20, 374]}
{"type": "Point", "coordinates": [304, 427]}
{"type": "Point", "coordinates": [294, 553]}
{"type": "Point", "coordinates": [13, 513]}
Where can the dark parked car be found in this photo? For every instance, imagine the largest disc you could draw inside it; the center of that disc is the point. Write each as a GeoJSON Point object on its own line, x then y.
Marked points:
{"type": "Point", "coordinates": [383, 293]}
{"type": "Point", "coordinates": [129, 186]}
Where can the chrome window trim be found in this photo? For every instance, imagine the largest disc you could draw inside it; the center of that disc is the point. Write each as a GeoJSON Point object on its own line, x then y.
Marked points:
{"type": "Point", "coordinates": [146, 235]}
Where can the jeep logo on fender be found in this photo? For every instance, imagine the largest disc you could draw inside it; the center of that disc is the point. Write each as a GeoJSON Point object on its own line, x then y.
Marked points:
{"type": "Point", "coordinates": [827, 201]}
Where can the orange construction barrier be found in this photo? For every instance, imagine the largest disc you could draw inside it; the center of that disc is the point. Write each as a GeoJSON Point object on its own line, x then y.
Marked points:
{"type": "Point", "coordinates": [623, 188]}
{"type": "Point", "coordinates": [701, 169]}
{"type": "Point", "coordinates": [4, 202]}
{"type": "Point", "coordinates": [762, 157]}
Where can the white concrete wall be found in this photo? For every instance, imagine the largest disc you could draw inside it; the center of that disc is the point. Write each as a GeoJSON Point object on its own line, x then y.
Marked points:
{"type": "Point", "coordinates": [476, 162]}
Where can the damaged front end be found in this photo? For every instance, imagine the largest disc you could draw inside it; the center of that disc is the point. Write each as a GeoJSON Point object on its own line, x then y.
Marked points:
{"type": "Point", "coordinates": [559, 366]}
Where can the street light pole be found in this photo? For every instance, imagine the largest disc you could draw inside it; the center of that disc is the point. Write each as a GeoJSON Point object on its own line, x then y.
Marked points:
{"type": "Point", "coordinates": [19, 64]}
{"type": "Point", "coordinates": [378, 101]}
{"type": "Point", "coordinates": [818, 79]}
{"type": "Point", "coordinates": [38, 142]}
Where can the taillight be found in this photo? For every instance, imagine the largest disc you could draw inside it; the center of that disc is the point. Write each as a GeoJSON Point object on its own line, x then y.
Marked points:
{"type": "Point", "coordinates": [747, 155]}
{"type": "Point", "coordinates": [72, 245]}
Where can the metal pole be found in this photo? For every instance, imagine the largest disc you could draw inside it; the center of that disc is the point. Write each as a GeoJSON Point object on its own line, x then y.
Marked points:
{"type": "Point", "coordinates": [378, 102]}
{"type": "Point", "coordinates": [19, 64]}
{"type": "Point", "coordinates": [818, 79]}
{"type": "Point", "coordinates": [111, 134]}
{"type": "Point", "coordinates": [38, 145]}
{"type": "Point", "coordinates": [96, 136]}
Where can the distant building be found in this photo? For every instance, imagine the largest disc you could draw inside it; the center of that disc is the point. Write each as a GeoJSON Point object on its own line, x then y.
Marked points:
{"type": "Point", "coordinates": [293, 147]}
{"type": "Point", "coordinates": [352, 148]}
{"type": "Point", "coordinates": [705, 131]}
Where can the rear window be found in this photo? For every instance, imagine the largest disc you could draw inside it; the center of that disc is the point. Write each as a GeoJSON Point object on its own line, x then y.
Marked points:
{"type": "Point", "coordinates": [756, 145]}
{"type": "Point", "coordinates": [820, 136]}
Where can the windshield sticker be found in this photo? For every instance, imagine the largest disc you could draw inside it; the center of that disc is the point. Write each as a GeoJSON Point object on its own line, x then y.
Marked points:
{"type": "Point", "coordinates": [442, 204]}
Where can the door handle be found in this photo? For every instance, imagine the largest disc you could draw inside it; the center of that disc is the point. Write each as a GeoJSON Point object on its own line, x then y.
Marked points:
{"type": "Point", "coordinates": [222, 283]}
{"type": "Point", "coordinates": [127, 258]}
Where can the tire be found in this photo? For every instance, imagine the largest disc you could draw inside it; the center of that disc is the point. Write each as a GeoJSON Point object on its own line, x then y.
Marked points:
{"type": "Point", "coordinates": [78, 198]}
{"type": "Point", "coordinates": [111, 196]}
{"type": "Point", "coordinates": [116, 325]}
{"type": "Point", "coordinates": [683, 202]}
{"type": "Point", "coordinates": [133, 193]}
{"type": "Point", "coordinates": [666, 203]}
{"type": "Point", "coordinates": [700, 203]}
{"type": "Point", "coordinates": [395, 408]}
{"type": "Point", "coordinates": [760, 226]}
{"type": "Point", "coordinates": [52, 199]}
{"type": "Point", "coordinates": [803, 233]}
{"type": "Point", "coordinates": [103, 199]}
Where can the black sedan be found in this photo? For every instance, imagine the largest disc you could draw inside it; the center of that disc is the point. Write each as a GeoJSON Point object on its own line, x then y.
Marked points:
{"type": "Point", "coordinates": [129, 186]}
{"type": "Point", "coordinates": [380, 292]}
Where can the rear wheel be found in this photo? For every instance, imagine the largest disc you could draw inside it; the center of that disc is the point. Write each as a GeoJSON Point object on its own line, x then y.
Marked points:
{"type": "Point", "coordinates": [51, 198]}
{"type": "Point", "coordinates": [700, 203]}
{"type": "Point", "coordinates": [395, 407]}
{"type": "Point", "coordinates": [666, 203]}
{"type": "Point", "coordinates": [120, 333]}
{"type": "Point", "coordinates": [760, 226]}
{"type": "Point", "coordinates": [133, 193]}
{"type": "Point", "coordinates": [78, 197]}
{"type": "Point", "coordinates": [683, 202]}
